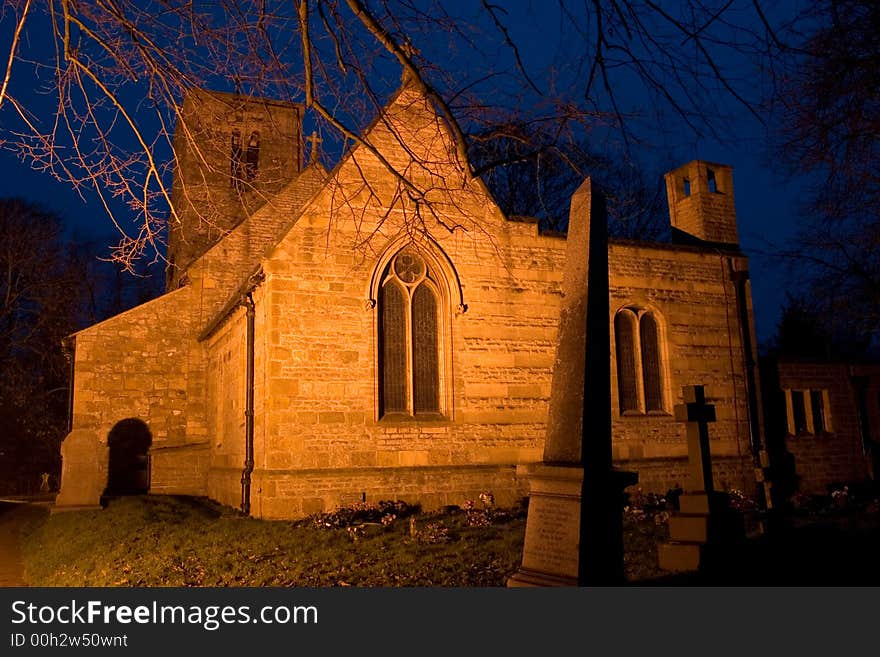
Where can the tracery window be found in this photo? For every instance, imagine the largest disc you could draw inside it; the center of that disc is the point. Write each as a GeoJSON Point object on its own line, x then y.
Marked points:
{"type": "Point", "coordinates": [640, 382]}
{"type": "Point", "coordinates": [409, 337]}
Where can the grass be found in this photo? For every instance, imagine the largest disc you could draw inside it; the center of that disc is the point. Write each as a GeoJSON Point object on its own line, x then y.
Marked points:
{"type": "Point", "coordinates": [179, 541]}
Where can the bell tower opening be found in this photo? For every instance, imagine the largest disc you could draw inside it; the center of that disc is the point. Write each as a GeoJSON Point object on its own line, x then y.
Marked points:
{"type": "Point", "coordinates": [232, 153]}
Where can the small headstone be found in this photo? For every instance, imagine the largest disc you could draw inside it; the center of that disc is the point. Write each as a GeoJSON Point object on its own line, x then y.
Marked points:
{"type": "Point", "coordinates": [83, 471]}
{"type": "Point", "coordinates": [44, 482]}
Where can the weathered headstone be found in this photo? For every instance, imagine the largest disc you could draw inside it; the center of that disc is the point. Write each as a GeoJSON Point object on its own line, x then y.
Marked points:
{"type": "Point", "coordinates": [574, 532]}
{"type": "Point", "coordinates": [83, 471]}
{"type": "Point", "coordinates": [703, 519]}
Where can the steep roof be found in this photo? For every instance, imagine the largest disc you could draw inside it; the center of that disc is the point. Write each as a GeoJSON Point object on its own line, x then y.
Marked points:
{"type": "Point", "coordinates": [233, 258]}
{"type": "Point", "coordinates": [408, 135]}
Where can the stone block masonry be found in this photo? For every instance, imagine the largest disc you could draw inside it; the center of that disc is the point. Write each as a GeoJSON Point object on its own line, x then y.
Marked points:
{"type": "Point", "coordinates": [323, 246]}
{"type": "Point", "coordinates": [825, 437]}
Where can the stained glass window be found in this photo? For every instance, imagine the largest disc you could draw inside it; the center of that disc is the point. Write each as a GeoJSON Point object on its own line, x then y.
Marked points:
{"type": "Point", "coordinates": [393, 335]}
{"type": "Point", "coordinates": [410, 337]}
{"type": "Point", "coordinates": [626, 362]}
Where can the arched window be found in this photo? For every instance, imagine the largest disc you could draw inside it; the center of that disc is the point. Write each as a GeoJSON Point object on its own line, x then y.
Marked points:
{"type": "Point", "coordinates": [639, 362]}
{"type": "Point", "coordinates": [409, 337]}
{"type": "Point", "coordinates": [649, 339]}
{"type": "Point", "coordinates": [627, 374]}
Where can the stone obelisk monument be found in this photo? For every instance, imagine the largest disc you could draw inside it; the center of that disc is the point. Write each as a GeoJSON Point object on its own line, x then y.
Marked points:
{"type": "Point", "coordinates": [574, 529]}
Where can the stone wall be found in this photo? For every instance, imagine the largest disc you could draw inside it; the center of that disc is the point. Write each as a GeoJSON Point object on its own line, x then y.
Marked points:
{"type": "Point", "coordinates": [689, 290]}
{"type": "Point", "coordinates": [320, 426]}
{"type": "Point", "coordinates": [320, 438]}
{"type": "Point", "coordinates": [136, 365]}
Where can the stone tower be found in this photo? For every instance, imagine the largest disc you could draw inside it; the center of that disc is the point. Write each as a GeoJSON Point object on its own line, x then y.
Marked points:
{"type": "Point", "coordinates": [701, 205]}
{"type": "Point", "coordinates": [232, 154]}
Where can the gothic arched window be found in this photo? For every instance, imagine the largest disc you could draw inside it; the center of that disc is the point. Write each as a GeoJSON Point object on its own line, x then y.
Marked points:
{"type": "Point", "coordinates": [627, 374]}
{"type": "Point", "coordinates": [409, 337]}
{"type": "Point", "coordinates": [639, 362]}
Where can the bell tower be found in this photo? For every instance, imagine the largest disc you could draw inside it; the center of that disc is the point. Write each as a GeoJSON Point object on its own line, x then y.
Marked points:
{"type": "Point", "coordinates": [232, 153]}
{"type": "Point", "coordinates": [700, 196]}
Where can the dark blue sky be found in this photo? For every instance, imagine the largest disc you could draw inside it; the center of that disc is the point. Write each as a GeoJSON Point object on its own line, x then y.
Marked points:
{"type": "Point", "coordinates": [766, 205]}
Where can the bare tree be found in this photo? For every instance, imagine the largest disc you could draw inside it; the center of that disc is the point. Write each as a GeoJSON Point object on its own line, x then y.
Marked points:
{"type": "Point", "coordinates": [117, 71]}
{"type": "Point", "coordinates": [829, 130]}
{"type": "Point", "coordinates": [539, 183]}
{"type": "Point", "coordinates": [50, 286]}
{"type": "Point", "coordinates": [38, 307]}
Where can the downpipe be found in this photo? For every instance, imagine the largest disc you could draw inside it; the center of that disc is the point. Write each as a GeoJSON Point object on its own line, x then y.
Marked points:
{"type": "Point", "coordinates": [247, 301]}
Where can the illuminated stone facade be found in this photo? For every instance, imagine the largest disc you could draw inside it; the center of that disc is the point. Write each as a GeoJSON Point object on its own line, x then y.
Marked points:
{"type": "Point", "coordinates": [324, 433]}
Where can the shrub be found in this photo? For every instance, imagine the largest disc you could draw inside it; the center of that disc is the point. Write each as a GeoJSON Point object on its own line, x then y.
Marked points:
{"type": "Point", "coordinates": [383, 513]}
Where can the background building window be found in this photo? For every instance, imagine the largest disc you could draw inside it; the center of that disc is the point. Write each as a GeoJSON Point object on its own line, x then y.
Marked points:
{"type": "Point", "coordinates": [650, 342]}
{"type": "Point", "coordinates": [799, 411]}
{"type": "Point", "coordinates": [817, 407]}
{"type": "Point", "coordinates": [639, 362]}
{"type": "Point", "coordinates": [807, 411]}
{"type": "Point", "coordinates": [409, 336]}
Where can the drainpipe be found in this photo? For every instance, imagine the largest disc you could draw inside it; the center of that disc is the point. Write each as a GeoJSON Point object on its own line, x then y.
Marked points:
{"type": "Point", "coordinates": [247, 300]}
{"type": "Point", "coordinates": [68, 347]}
{"type": "Point", "coordinates": [759, 454]}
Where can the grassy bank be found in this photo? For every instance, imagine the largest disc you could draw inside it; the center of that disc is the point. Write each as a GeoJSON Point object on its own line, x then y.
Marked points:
{"type": "Point", "coordinates": [178, 541]}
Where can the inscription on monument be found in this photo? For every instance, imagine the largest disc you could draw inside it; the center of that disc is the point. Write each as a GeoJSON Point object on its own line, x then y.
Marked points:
{"type": "Point", "coordinates": [551, 542]}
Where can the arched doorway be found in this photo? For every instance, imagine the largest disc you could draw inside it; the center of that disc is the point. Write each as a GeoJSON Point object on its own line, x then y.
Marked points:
{"type": "Point", "coordinates": [129, 466]}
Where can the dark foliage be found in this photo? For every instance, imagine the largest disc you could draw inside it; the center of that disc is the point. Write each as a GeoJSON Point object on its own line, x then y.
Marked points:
{"type": "Point", "coordinates": [535, 175]}
{"type": "Point", "coordinates": [830, 130]}
{"type": "Point", "coordinates": [49, 288]}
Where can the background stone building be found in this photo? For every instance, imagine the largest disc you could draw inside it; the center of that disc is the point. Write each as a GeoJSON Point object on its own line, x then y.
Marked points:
{"type": "Point", "coordinates": [822, 424]}
{"type": "Point", "coordinates": [294, 365]}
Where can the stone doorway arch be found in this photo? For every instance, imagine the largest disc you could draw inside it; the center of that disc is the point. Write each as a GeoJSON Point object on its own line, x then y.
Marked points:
{"type": "Point", "coordinates": [128, 468]}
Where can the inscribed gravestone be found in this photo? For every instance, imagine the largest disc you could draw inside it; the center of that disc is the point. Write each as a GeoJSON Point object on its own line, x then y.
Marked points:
{"type": "Point", "coordinates": [83, 470]}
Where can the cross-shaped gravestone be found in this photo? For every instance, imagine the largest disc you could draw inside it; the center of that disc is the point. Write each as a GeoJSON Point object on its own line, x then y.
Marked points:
{"type": "Point", "coordinates": [698, 414]}
{"type": "Point", "coordinates": [313, 140]}
{"type": "Point", "coordinates": [703, 525]}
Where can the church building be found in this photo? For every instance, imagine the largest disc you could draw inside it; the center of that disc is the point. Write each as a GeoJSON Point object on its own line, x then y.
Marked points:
{"type": "Point", "coordinates": [332, 337]}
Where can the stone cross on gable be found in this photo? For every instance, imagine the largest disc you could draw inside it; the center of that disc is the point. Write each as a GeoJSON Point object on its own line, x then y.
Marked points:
{"type": "Point", "coordinates": [697, 414]}
{"type": "Point", "coordinates": [314, 140]}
